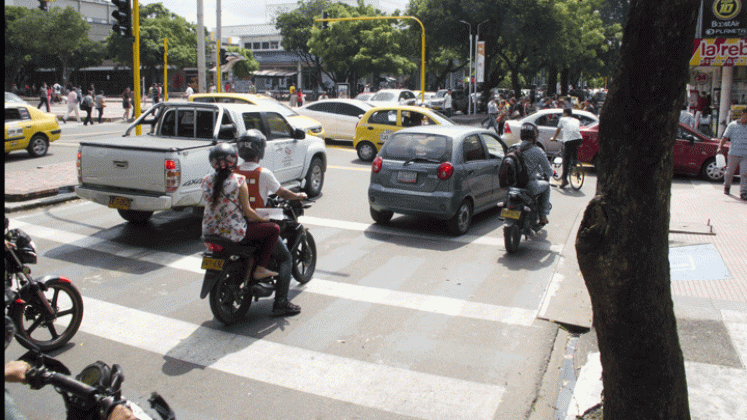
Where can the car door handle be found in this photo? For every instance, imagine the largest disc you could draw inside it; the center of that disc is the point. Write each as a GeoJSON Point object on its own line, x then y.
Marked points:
{"type": "Point", "coordinates": [370, 128]}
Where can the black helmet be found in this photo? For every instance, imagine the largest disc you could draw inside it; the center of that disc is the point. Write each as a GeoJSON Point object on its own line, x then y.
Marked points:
{"type": "Point", "coordinates": [224, 156]}
{"type": "Point", "coordinates": [252, 144]}
{"type": "Point", "coordinates": [529, 131]}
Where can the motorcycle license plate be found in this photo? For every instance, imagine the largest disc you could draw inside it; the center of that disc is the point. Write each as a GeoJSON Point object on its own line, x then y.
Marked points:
{"type": "Point", "coordinates": [407, 176]}
{"type": "Point", "coordinates": [120, 203]}
{"type": "Point", "coordinates": [212, 263]}
{"type": "Point", "coordinates": [510, 214]}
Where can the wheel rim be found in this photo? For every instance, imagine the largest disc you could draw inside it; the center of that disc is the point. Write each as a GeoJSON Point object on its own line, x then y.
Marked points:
{"type": "Point", "coordinates": [316, 177]}
{"type": "Point", "coordinates": [67, 314]}
{"type": "Point", "coordinates": [39, 146]}
{"type": "Point", "coordinates": [366, 152]}
{"type": "Point", "coordinates": [713, 172]}
{"type": "Point", "coordinates": [464, 218]}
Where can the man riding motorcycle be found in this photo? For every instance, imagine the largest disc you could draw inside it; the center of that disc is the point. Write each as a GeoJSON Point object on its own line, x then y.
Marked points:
{"type": "Point", "coordinates": [262, 182]}
{"type": "Point", "coordinates": [536, 163]}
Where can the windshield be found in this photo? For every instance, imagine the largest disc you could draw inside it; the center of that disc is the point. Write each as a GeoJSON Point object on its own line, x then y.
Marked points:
{"type": "Point", "coordinates": [442, 119]}
{"type": "Point", "coordinates": [441, 93]}
{"type": "Point", "coordinates": [414, 146]}
{"type": "Point", "coordinates": [13, 98]}
{"type": "Point", "coordinates": [383, 96]}
{"type": "Point", "coordinates": [278, 107]}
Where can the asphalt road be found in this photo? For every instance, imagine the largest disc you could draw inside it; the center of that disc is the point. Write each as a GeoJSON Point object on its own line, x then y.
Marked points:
{"type": "Point", "coordinates": [401, 321]}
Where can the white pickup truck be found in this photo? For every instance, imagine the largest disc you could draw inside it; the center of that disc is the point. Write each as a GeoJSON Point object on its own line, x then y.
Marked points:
{"type": "Point", "coordinates": [163, 169]}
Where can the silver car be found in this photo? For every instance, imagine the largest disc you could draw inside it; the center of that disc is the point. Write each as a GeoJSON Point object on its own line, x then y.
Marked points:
{"type": "Point", "coordinates": [446, 172]}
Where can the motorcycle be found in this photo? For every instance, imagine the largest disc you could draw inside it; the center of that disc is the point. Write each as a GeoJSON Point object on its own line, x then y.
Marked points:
{"type": "Point", "coordinates": [38, 307]}
{"type": "Point", "coordinates": [92, 394]}
{"type": "Point", "coordinates": [226, 264]}
{"type": "Point", "coordinates": [521, 213]}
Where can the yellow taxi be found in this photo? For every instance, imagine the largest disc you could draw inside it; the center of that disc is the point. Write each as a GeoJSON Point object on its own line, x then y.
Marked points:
{"type": "Point", "coordinates": [309, 125]}
{"type": "Point", "coordinates": [378, 124]}
{"type": "Point", "coordinates": [29, 128]}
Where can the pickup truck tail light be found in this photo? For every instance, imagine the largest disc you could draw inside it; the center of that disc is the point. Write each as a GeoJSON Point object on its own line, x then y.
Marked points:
{"type": "Point", "coordinates": [79, 169]}
{"type": "Point", "coordinates": [173, 175]}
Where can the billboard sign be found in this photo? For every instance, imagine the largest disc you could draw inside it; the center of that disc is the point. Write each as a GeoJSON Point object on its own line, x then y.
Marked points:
{"type": "Point", "coordinates": [719, 52]}
{"type": "Point", "coordinates": [724, 19]}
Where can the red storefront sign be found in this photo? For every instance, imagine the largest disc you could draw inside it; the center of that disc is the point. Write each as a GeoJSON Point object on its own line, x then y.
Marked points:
{"type": "Point", "coordinates": [719, 52]}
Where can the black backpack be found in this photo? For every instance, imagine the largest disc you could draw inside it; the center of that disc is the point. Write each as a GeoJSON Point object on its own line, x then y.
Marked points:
{"type": "Point", "coordinates": [513, 172]}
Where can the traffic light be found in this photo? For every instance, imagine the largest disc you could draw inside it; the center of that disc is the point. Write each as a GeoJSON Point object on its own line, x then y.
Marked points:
{"type": "Point", "coordinates": [223, 56]}
{"type": "Point", "coordinates": [325, 16]}
{"type": "Point", "coordinates": [123, 17]}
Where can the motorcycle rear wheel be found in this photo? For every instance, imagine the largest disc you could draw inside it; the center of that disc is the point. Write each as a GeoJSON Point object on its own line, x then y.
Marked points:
{"type": "Point", "coordinates": [67, 304]}
{"type": "Point", "coordinates": [512, 238]}
{"type": "Point", "coordinates": [229, 299]}
{"type": "Point", "coordinates": [304, 259]}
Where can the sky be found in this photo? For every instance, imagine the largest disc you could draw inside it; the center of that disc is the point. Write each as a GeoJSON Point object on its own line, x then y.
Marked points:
{"type": "Point", "coordinates": [243, 12]}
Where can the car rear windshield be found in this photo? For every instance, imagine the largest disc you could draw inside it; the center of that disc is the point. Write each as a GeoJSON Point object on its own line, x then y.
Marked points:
{"type": "Point", "coordinates": [406, 146]}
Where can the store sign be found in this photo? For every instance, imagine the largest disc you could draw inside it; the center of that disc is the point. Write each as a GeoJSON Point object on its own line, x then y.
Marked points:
{"type": "Point", "coordinates": [724, 19]}
{"type": "Point", "coordinates": [480, 62]}
{"type": "Point", "coordinates": [719, 52]}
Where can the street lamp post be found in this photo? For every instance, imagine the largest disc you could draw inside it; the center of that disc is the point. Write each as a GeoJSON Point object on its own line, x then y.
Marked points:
{"type": "Point", "coordinates": [477, 39]}
{"type": "Point", "coordinates": [469, 72]}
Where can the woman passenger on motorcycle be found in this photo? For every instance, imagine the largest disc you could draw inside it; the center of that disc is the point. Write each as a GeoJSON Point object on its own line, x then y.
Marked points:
{"type": "Point", "coordinates": [261, 183]}
{"type": "Point", "coordinates": [536, 163]}
{"type": "Point", "coordinates": [227, 210]}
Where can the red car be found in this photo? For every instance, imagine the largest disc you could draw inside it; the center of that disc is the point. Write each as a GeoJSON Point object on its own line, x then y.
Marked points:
{"type": "Point", "coordinates": [694, 153]}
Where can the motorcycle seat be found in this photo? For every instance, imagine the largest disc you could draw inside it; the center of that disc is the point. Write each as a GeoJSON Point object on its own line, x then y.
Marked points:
{"type": "Point", "coordinates": [238, 247]}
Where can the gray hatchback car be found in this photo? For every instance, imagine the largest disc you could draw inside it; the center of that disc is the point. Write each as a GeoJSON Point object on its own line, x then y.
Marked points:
{"type": "Point", "coordinates": [446, 172]}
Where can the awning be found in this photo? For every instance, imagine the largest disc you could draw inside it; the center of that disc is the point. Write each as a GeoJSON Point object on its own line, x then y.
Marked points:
{"type": "Point", "coordinates": [275, 73]}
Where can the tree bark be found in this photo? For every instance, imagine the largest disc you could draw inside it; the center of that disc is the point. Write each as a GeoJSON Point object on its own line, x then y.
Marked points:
{"type": "Point", "coordinates": [622, 244]}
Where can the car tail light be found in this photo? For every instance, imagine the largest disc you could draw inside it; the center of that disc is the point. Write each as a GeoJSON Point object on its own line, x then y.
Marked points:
{"type": "Point", "coordinates": [79, 168]}
{"type": "Point", "coordinates": [213, 247]}
{"type": "Point", "coordinates": [445, 170]}
{"type": "Point", "coordinates": [376, 165]}
{"type": "Point", "coordinates": [173, 175]}
{"type": "Point", "coordinates": [507, 129]}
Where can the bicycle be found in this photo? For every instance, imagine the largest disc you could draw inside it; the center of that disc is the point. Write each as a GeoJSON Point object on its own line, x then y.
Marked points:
{"type": "Point", "coordinates": [576, 174]}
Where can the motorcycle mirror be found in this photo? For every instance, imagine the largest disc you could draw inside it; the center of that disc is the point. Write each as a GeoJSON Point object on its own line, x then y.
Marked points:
{"type": "Point", "coordinates": [117, 379]}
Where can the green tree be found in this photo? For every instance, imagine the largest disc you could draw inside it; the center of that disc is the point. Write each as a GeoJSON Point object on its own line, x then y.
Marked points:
{"type": "Point", "coordinates": [243, 69]}
{"type": "Point", "coordinates": [156, 23]}
{"type": "Point", "coordinates": [16, 55]}
{"type": "Point", "coordinates": [623, 241]}
{"type": "Point", "coordinates": [295, 28]}
{"type": "Point", "coordinates": [58, 32]}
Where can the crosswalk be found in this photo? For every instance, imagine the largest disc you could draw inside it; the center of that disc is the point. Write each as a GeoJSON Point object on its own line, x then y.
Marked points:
{"type": "Point", "coordinates": [441, 318]}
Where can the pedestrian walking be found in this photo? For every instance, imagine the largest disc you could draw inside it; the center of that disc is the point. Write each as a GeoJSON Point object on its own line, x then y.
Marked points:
{"type": "Point", "coordinates": [154, 93]}
{"type": "Point", "coordinates": [448, 104]}
{"type": "Point", "coordinates": [189, 91]}
{"type": "Point", "coordinates": [87, 105]}
{"type": "Point", "coordinates": [493, 114]}
{"type": "Point", "coordinates": [299, 98]}
{"type": "Point", "coordinates": [736, 134]}
{"type": "Point", "coordinates": [43, 97]}
{"type": "Point", "coordinates": [293, 98]}
{"type": "Point", "coordinates": [100, 105]}
{"type": "Point", "coordinates": [126, 104]}
{"type": "Point", "coordinates": [72, 105]}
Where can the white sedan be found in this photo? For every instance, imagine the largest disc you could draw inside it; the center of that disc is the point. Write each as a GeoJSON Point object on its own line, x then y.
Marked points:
{"type": "Point", "coordinates": [389, 97]}
{"type": "Point", "coordinates": [547, 122]}
{"type": "Point", "coordinates": [338, 116]}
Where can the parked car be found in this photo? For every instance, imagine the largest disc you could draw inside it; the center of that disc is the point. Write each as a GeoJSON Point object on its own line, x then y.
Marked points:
{"type": "Point", "coordinates": [458, 100]}
{"type": "Point", "coordinates": [386, 97]}
{"type": "Point", "coordinates": [310, 126]}
{"type": "Point", "coordinates": [427, 97]}
{"type": "Point", "coordinates": [364, 96]}
{"type": "Point", "coordinates": [547, 123]}
{"type": "Point", "coordinates": [694, 153]}
{"type": "Point", "coordinates": [378, 124]}
{"type": "Point", "coordinates": [11, 97]}
{"type": "Point", "coordinates": [338, 116]}
{"type": "Point", "coordinates": [446, 172]}
{"type": "Point", "coordinates": [28, 128]}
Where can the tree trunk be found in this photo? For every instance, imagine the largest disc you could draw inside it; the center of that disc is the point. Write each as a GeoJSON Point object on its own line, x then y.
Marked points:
{"type": "Point", "coordinates": [552, 80]}
{"type": "Point", "coordinates": [622, 244]}
{"type": "Point", "coordinates": [564, 81]}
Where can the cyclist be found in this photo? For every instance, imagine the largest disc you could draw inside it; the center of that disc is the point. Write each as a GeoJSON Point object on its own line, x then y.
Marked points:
{"type": "Point", "coordinates": [572, 139]}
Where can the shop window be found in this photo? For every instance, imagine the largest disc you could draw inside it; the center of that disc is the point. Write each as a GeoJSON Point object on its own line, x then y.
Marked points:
{"type": "Point", "coordinates": [257, 46]}
{"type": "Point", "coordinates": [274, 45]}
{"type": "Point", "coordinates": [265, 45]}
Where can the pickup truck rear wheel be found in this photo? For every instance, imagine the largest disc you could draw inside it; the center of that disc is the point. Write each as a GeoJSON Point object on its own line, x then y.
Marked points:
{"type": "Point", "coordinates": [314, 178]}
{"type": "Point", "coordinates": [135, 216]}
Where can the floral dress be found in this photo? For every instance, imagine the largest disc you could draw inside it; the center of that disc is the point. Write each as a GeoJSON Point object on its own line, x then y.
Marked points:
{"type": "Point", "coordinates": [225, 218]}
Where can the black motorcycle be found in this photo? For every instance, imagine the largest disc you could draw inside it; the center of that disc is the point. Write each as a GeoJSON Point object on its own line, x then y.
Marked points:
{"type": "Point", "coordinates": [521, 214]}
{"type": "Point", "coordinates": [226, 264]}
{"type": "Point", "coordinates": [47, 312]}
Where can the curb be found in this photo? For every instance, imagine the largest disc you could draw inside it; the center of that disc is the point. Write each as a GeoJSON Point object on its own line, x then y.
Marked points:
{"type": "Point", "coordinates": [62, 195]}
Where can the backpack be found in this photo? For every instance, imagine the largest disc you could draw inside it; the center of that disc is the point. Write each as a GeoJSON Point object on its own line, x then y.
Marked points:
{"type": "Point", "coordinates": [87, 103]}
{"type": "Point", "coordinates": [513, 172]}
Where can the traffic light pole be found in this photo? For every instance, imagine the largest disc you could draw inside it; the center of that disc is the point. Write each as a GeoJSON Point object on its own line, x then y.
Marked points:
{"type": "Point", "coordinates": [217, 66]}
{"type": "Point", "coordinates": [422, 52]}
{"type": "Point", "coordinates": [136, 61]}
{"type": "Point", "coordinates": [165, 71]}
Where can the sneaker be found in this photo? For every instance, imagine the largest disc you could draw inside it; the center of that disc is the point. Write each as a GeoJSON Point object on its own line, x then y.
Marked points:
{"type": "Point", "coordinates": [563, 184]}
{"type": "Point", "coordinates": [743, 196]}
{"type": "Point", "coordinates": [726, 190]}
{"type": "Point", "coordinates": [285, 308]}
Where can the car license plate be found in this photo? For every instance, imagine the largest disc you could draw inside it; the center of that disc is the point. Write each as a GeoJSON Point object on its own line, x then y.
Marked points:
{"type": "Point", "coordinates": [120, 203]}
{"type": "Point", "coordinates": [212, 263]}
{"type": "Point", "coordinates": [407, 176]}
{"type": "Point", "coordinates": [511, 214]}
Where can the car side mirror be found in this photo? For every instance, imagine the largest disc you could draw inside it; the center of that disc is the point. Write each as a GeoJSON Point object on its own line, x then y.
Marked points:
{"type": "Point", "coordinates": [299, 134]}
{"type": "Point", "coordinates": [227, 131]}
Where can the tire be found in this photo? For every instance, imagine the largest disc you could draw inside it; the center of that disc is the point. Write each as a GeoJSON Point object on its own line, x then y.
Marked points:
{"type": "Point", "coordinates": [227, 302]}
{"type": "Point", "coordinates": [135, 216]}
{"type": "Point", "coordinates": [38, 146]}
{"type": "Point", "coordinates": [459, 224]}
{"type": "Point", "coordinates": [366, 151]}
{"type": "Point", "coordinates": [710, 172]}
{"type": "Point", "coordinates": [511, 238]}
{"type": "Point", "coordinates": [315, 178]}
{"type": "Point", "coordinates": [304, 259]}
{"type": "Point", "coordinates": [576, 176]}
{"type": "Point", "coordinates": [67, 304]}
{"type": "Point", "coordinates": [381, 217]}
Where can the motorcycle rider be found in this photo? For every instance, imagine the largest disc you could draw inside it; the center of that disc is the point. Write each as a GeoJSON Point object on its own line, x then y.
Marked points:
{"type": "Point", "coordinates": [536, 163]}
{"type": "Point", "coordinates": [261, 183]}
